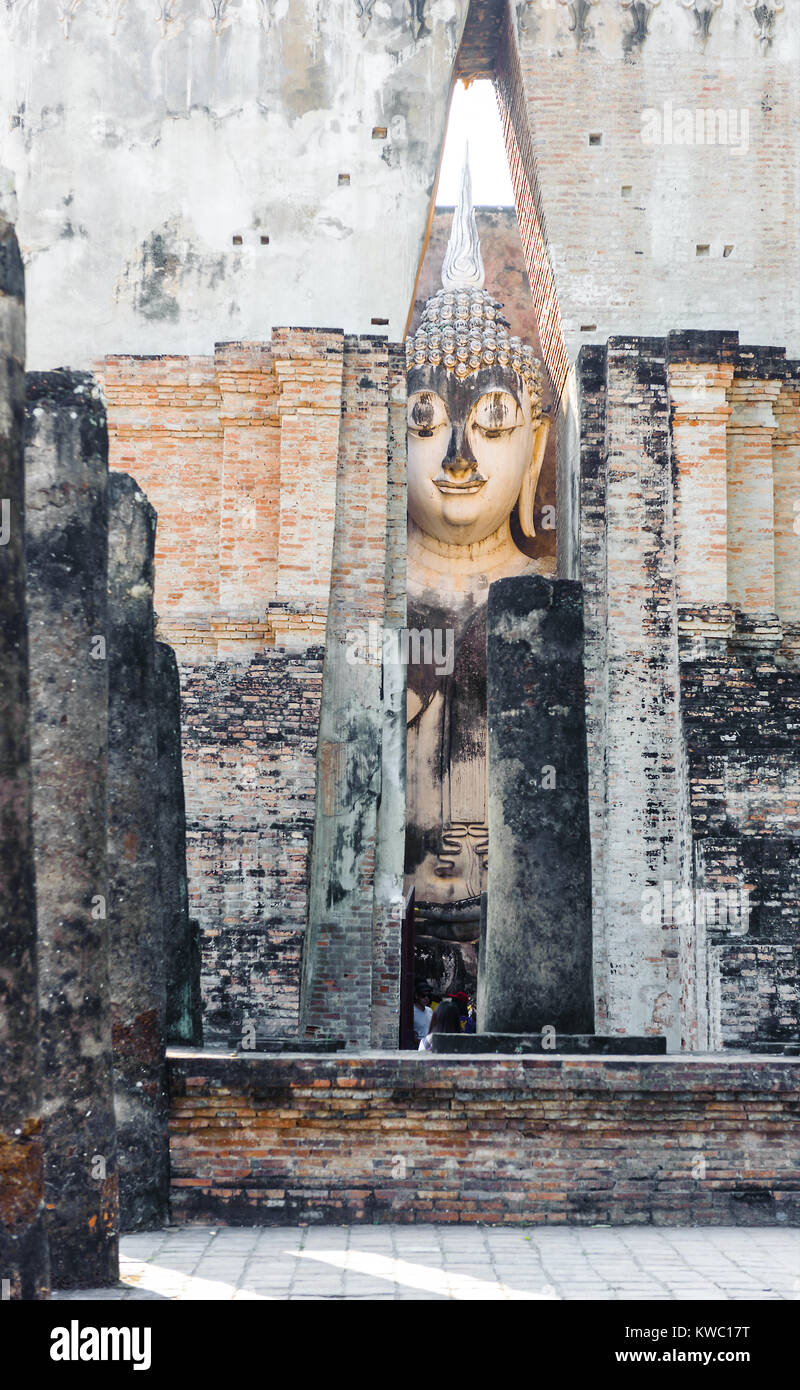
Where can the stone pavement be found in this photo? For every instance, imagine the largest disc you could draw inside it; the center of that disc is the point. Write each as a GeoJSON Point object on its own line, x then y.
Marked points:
{"type": "Point", "coordinates": [456, 1262]}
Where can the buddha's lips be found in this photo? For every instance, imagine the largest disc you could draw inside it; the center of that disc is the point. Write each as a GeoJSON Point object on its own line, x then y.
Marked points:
{"type": "Point", "coordinates": [472, 484]}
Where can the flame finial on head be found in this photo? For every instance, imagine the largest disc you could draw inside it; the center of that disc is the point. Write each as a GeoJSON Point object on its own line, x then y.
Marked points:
{"type": "Point", "coordinates": [463, 265]}
{"type": "Point", "coordinates": [462, 327]}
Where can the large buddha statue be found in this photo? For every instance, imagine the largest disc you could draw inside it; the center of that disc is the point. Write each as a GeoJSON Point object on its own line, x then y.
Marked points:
{"type": "Point", "coordinates": [476, 439]}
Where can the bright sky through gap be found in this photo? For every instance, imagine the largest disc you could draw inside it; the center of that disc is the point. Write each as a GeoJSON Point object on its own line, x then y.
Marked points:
{"type": "Point", "coordinates": [474, 116]}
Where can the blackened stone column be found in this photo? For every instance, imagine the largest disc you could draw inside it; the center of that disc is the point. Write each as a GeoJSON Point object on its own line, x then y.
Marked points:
{"type": "Point", "coordinates": [23, 1243]}
{"type": "Point", "coordinates": [536, 969]}
{"type": "Point", "coordinates": [66, 528]}
{"type": "Point", "coordinates": [138, 997]}
{"type": "Point", "coordinates": [182, 959]}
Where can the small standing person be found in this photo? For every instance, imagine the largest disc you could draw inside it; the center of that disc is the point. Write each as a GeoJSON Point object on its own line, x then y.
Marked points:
{"type": "Point", "coordinates": [461, 1000]}
{"type": "Point", "coordinates": [446, 1020]}
{"type": "Point", "coordinates": [423, 1013]}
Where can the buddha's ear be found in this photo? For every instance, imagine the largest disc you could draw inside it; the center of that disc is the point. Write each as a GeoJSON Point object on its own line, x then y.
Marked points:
{"type": "Point", "coordinates": [530, 483]}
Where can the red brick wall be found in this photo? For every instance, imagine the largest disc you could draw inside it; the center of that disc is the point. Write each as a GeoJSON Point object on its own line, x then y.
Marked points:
{"type": "Point", "coordinates": [265, 467]}
{"type": "Point", "coordinates": [744, 769]}
{"type": "Point", "coordinates": [165, 430]}
{"type": "Point", "coordinates": [249, 760]}
{"type": "Point", "coordinates": [250, 476]}
{"type": "Point", "coordinates": [411, 1137]}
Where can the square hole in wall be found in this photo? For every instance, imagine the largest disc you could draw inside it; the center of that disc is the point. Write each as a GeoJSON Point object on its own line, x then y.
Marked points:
{"type": "Point", "coordinates": [702, 249]}
{"type": "Point", "coordinates": [265, 241]}
{"type": "Point", "coordinates": [595, 137]}
{"type": "Point", "coordinates": [344, 178]}
{"type": "Point", "coordinates": [379, 322]}
{"type": "Point", "coordinates": [627, 190]}
{"type": "Point", "coordinates": [379, 132]}
{"type": "Point", "coordinates": [237, 241]}
{"type": "Point", "coordinates": [727, 251]}
{"type": "Point", "coordinates": [588, 328]}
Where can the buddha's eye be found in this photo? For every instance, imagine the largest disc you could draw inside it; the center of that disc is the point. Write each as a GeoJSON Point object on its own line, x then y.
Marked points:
{"type": "Point", "coordinates": [496, 414]}
{"type": "Point", "coordinates": [427, 413]}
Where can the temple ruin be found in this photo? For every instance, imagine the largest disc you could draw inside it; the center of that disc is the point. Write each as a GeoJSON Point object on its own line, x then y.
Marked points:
{"type": "Point", "coordinates": [360, 559]}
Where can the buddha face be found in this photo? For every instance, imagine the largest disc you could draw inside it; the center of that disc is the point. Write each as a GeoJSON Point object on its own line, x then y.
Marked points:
{"type": "Point", "coordinates": [470, 447]}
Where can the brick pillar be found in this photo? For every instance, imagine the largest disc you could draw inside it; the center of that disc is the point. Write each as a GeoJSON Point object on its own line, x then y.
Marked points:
{"type": "Point", "coordinates": [308, 365]}
{"type": "Point", "coordinates": [181, 947]}
{"type": "Point", "coordinates": [387, 918]}
{"type": "Point", "coordinates": [250, 494]}
{"type": "Point", "coordinates": [700, 414]}
{"type": "Point", "coordinates": [591, 391]}
{"type": "Point", "coordinates": [135, 914]}
{"type": "Point", "coordinates": [644, 848]}
{"type": "Point", "coordinates": [24, 1268]}
{"type": "Point", "coordinates": [337, 970]}
{"type": "Point", "coordinates": [786, 482]}
{"type": "Point", "coordinates": [66, 465]}
{"type": "Point", "coordinates": [751, 507]}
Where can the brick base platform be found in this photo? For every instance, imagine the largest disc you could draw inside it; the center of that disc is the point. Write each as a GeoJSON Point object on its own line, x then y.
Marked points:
{"type": "Point", "coordinates": [405, 1137]}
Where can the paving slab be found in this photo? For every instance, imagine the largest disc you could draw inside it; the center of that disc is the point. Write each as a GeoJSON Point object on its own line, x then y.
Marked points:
{"type": "Point", "coordinates": [483, 1263]}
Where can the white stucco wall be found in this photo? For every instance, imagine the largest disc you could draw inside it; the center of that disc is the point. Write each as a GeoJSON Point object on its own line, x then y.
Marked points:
{"type": "Point", "coordinates": [145, 134]}
{"type": "Point", "coordinates": [627, 261]}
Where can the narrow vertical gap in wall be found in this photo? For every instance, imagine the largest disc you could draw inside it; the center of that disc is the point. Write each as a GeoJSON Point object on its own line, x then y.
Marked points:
{"type": "Point", "coordinates": [530, 214]}
{"type": "Point", "coordinates": [513, 245]}
{"type": "Point", "coordinates": [411, 320]}
{"type": "Point", "coordinates": [564, 442]}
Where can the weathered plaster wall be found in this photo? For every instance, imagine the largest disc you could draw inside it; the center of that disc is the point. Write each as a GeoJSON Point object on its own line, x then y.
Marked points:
{"type": "Point", "coordinates": [646, 228]}
{"type": "Point", "coordinates": [147, 137]}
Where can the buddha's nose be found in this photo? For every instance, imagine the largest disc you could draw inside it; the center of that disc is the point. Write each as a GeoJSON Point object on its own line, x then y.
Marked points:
{"type": "Point", "coordinates": [459, 457]}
